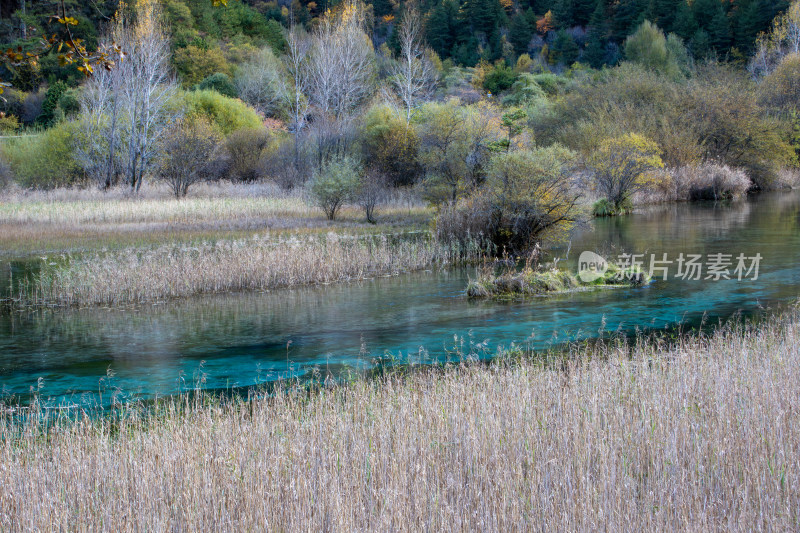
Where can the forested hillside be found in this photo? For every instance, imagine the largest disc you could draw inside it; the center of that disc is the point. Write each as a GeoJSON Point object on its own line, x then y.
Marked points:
{"type": "Point", "coordinates": [560, 32]}
{"type": "Point", "coordinates": [546, 107]}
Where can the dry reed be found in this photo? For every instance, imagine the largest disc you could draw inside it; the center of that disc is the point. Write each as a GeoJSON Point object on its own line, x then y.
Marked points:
{"type": "Point", "coordinates": [703, 436]}
{"type": "Point", "coordinates": [259, 263]}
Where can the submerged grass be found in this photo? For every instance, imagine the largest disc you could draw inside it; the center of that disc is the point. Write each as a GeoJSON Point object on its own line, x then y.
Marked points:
{"type": "Point", "coordinates": [701, 436]}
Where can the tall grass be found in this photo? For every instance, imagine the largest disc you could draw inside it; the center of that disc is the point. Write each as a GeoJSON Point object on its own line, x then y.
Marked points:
{"type": "Point", "coordinates": [701, 436]}
{"type": "Point", "coordinates": [259, 263]}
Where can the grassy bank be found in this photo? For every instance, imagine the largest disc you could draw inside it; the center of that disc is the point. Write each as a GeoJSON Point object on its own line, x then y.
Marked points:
{"type": "Point", "coordinates": [88, 247]}
{"type": "Point", "coordinates": [78, 220]}
{"type": "Point", "coordinates": [701, 436]}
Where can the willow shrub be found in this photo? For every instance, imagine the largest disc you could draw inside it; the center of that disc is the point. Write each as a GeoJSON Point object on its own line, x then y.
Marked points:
{"type": "Point", "coordinates": [45, 160]}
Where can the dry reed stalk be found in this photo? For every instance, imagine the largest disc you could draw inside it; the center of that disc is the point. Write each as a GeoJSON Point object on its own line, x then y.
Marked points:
{"type": "Point", "coordinates": [703, 436]}
{"type": "Point", "coordinates": [137, 276]}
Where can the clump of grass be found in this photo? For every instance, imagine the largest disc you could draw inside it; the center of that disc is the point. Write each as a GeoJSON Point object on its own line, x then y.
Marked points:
{"type": "Point", "coordinates": [605, 208]}
{"type": "Point", "coordinates": [532, 281]}
{"type": "Point", "coordinates": [703, 435]}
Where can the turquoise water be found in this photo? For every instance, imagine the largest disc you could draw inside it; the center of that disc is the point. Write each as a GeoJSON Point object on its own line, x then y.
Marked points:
{"type": "Point", "coordinates": [87, 356]}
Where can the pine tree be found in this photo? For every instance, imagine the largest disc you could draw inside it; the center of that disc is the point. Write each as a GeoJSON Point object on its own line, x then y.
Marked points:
{"type": "Point", "coordinates": [595, 52]}
{"type": "Point", "coordinates": [719, 31]}
{"type": "Point", "coordinates": [441, 28]}
{"type": "Point", "coordinates": [582, 11]}
{"type": "Point", "coordinates": [662, 13]}
{"type": "Point", "coordinates": [564, 50]}
{"type": "Point", "coordinates": [563, 12]}
{"type": "Point", "coordinates": [520, 33]}
{"type": "Point", "coordinates": [628, 15]}
{"type": "Point", "coordinates": [700, 44]}
{"type": "Point", "coordinates": [704, 11]}
{"type": "Point", "coordinates": [685, 25]}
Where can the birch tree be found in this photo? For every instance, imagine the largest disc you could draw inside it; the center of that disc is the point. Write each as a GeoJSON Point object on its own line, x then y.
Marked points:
{"type": "Point", "coordinates": [147, 90]}
{"type": "Point", "coordinates": [413, 76]}
{"type": "Point", "coordinates": [260, 82]}
{"type": "Point", "coordinates": [296, 62]}
{"type": "Point", "coordinates": [341, 74]}
{"type": "Point", "coordinates": [98, 149]}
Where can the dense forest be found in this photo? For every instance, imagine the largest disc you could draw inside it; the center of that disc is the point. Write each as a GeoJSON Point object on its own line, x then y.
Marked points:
{"type": "Point", "coordinates": [558, 32]}
{"type": "Point", "coordinates": [509, 118]}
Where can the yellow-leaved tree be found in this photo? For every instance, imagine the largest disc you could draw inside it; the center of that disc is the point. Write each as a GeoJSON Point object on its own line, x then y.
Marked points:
{"type": "Point", "coordinates": [623, 166]}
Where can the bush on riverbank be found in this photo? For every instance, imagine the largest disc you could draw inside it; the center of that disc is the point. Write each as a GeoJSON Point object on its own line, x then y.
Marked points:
{"type": "Point", "coordinates": [698, 433]}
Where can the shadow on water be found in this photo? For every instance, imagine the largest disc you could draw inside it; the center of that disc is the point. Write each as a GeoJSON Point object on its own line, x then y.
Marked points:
{"type": "Point", "coordinates": [226, 342]}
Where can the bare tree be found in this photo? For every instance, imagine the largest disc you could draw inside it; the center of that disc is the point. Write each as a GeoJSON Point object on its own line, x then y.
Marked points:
{"type": "Point", "coordinates": [260, 82]}
{"type": "Point", "coordinates": [413, 76]}
{"type": "Point", "coordinates": [371, 189]}
{"type": "Point", "coordinates": [782, 40]}
{"type": "Point", "coordinates": [296, 62]}
{"type": "Point", "coordinates": [189, 149]}
{"type": "Point", "coordinates": [341, 74]}
{"type": "Point", "coordinates": [147, 90]}
{"type": "Point", "coordinates": [98, 149]}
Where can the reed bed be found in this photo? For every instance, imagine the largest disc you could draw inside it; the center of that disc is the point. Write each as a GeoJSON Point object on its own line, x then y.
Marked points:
{"type": "Point", "coordinates": [701, 436]}
{"type": "Point", "coordinates": [259, 263]}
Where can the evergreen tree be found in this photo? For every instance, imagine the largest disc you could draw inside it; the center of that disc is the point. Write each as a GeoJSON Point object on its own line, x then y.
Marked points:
{"type": "Point", "coordinates": [628, 15]}
{"type": "Point", "coordinates": [704, 11]}
{"type": "Point", "coordinates": [564, 50]}
{"type": "Point", "coordinates": [520, 33]}
{"type": "Point", "coordinates": [595, 52]}
{"type": "Point", "coordinates": [700, 44]}
{"type": "Point", "coordinates": [563, 12]}
{"type": "Point", "coordinates": [662, 13]}
{"type": "Point", "coordinates": [584, 9]}
{"type": "Point", "coordinates": [685, 25]}
{"type": "Point", "coordinates": [719, 31]}
{"type": "Point", "coordinates": [442, 28]}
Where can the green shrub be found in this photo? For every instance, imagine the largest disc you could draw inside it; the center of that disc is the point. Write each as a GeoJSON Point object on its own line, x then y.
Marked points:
{"type": "Point", "coordinates": [226, 114]}
{"type": "Point", "coordinates": [500, 79]}
{"type": "Point", "coordinates": [604, 208]}
{"type": "Point", "coordinates": [524, 91]}
{"type": "Point", "coordinates": [551, 84]}
{"type": "Point", "coordinates": [195, 63]}
{"type": "Point", "coordinates": [335, 184]}
{"type": "Point", "coordinates": [50, 104]}
{"type": "Point", "coordinates": [46, 160]}
{"type": "Point", "coordinates": [390, 147]}
{"type": "Point", "coordinates": [527, 198]}
{"type": "Point", "coordinates": [220, 82]}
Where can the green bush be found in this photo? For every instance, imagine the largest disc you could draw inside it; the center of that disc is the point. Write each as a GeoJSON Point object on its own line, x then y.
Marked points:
{"type": "Point", "coordinates": [45, 161]}
{"type": "Point", "coordinates": [220, 82]}
{"type": "Point", "coordinates": [524, 91]}
{"type": "Point", "coordinates": [391, 147]}
{"type": "Point", "coordinates": [551, 84]}
{"type": "Point", "coordinates": [500, 79]}
{"type": "Point", "coordinates": [193, 63]}
{"type": "Point", "coordinates": [604, 208]}
{"type": "Point", "coordinates": [226, 114]}
{"type": "Point", "coordinates": [335, 184]}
